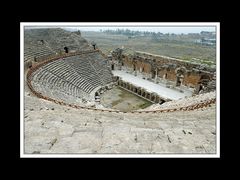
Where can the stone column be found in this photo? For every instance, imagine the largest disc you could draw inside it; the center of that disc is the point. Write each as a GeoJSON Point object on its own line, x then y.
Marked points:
{"type": "Point", "coordinates": [127, 85]}
{"type": "Point", "coordinates": [156, 75]}
{"type": "Point", "coordinates": [139, 91]}
{"type": "Point", "coordinates": [155, 97]}
{"type": "Point", "coordinates": [121, 83]}
{"type": "Point", "coordinates": [133, 90]}
{"type": "Point", "coordinates": [142, 90]}
{"type": "Point", "coordinates": [151, 95]}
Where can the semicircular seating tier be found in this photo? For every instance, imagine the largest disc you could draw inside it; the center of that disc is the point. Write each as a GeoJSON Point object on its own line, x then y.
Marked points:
{"type": "Point", "coordinates": [73, 78]}
{"type": "Point", "coordinates": [34, 50]}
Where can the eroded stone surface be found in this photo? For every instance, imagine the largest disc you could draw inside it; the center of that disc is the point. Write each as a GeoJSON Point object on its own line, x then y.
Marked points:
{"type": "Point", "coordinates": [68, 130]}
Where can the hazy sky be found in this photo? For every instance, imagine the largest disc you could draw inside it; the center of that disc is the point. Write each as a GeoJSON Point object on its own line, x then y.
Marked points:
{"type": "Point", "coordinates": [166, 29]}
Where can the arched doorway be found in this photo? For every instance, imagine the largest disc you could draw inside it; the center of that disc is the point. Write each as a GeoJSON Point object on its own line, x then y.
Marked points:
{"type": "Point", "coordinates": [153, 97]}
{"type": "Point", "coordinates": [134, 67]}
{"type": "Point", "coordinates": [202, 83]}
{"type": "Point", "coordinates": [178, 82]}
{"type": "Point", "coordinates": [139, 92]}
{"type": "Point", "coordinates": [165, 76]}
{"type": "Point", "coordinates": [66, 49]}
{"type": "Point", "coordinates": [204, 79]}
{"type": "Point", "coordinates": [205, 76]}
{"type": "Point", "coordinates": [96, 94]}
{"type": "Point", "coordinates": [97, 97]}
{"type": "Point", "coordinates": [153, 74]}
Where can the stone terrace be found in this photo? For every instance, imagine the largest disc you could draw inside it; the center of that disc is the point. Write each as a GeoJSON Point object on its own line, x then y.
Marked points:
{"type": "Point", "coordinates": [51, 128]}
{"type": "Point", "coordinates": [75, 76]}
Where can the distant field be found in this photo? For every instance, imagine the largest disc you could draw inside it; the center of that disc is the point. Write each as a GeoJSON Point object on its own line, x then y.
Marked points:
{"type": "Point", "coordinates": [182, 47]}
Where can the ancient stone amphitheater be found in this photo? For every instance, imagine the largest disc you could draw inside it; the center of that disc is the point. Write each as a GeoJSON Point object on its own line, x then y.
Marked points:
{"type": "Point", "coordinates": [65, 75]}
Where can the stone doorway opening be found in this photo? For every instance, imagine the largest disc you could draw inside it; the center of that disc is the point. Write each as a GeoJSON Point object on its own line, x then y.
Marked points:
{"type": "Point", "coordinates": [65, 49]}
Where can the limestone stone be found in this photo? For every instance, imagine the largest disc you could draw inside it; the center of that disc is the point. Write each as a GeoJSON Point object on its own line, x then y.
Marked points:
{"type": "Point", "coordinates": [62, 117]}
{"type": "Point", "coordinates": [65, 132]}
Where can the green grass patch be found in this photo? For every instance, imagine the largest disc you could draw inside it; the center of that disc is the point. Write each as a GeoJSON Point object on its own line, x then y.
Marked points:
{"type": "Point", "coordinates": [123, 100]}
{"type": "Point", "coordinates": [144, 105]}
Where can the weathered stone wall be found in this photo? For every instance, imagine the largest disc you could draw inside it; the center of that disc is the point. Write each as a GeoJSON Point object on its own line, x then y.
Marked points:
{"type": "Point", "coordinates": [140, 91]}
{"type": "Point", "coordinates": [127, 62]}
{"type": "Point", "coordinates": [167, 74]}
{"type": "Point", "coordinates": [144, 67]}
{"type": "Point", "coordinates": [191, 79]}
{"type": "Point", "coordinates": [167, 68]}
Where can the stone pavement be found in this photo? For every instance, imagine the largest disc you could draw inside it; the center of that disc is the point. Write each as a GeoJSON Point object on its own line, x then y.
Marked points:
{"type": "Point", "coordinates": [160, 89]}
{"type": "Point", "coordinates": [51, 128]}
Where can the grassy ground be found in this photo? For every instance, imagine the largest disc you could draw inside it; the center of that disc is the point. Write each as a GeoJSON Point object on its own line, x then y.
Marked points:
{"type": "Point", "coordinates": [123, 100]}
{"type": "Point", "coordinates": [182, 47]}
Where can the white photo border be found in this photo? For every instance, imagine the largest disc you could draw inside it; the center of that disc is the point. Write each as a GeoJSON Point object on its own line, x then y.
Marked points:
{"type": "Point", "coordinates": [109, 24]}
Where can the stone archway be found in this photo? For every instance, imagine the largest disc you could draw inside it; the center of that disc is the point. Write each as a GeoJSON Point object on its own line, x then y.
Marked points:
{"type": "Point", "coordinates": [153, 96]}
{"type": "Point", "coordinates": [66, 49]}
{"type": "Point", "coordinates": [148, 95]}
{"type": "Point", "coordinates": [96, 93]}
{"type": "Point", "coordinates": [205, 76]}
{"type": "Point", "coordinates": [97, 96]}
{"type": "Point", "coordinates": [165, 76]}
{"type": "Point", "coordinates": [178, 80]}
{"type": "Point", "coordinates": [199, 88]}
{"type": "Point", "coordinates": [202, 83]}
{"type": "Point", "coordinates": [134, 67]}
{"type": "Point", "coordinates": [204, 79]}
{"type": "Point", "coordinates": [139, 91]}
{"type": "Point", "coordinates": [153, 74]}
